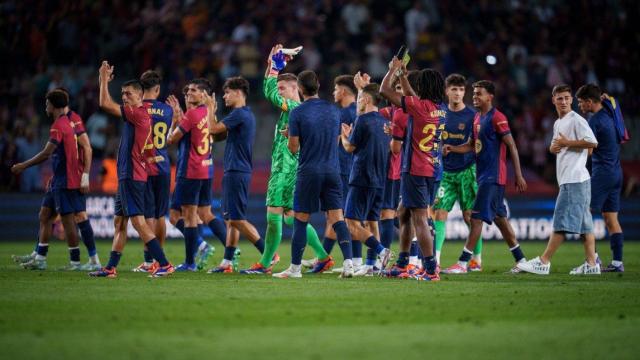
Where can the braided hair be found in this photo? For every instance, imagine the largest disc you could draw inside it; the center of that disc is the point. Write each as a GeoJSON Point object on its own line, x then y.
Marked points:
{"type": "Point", "coordinates": [431, 86]}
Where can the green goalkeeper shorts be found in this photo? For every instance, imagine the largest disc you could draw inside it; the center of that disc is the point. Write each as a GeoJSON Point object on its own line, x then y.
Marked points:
{"type": "Point", "coordinates": [457, 186]}
{"type": "Point", "coordinates": [280, 190]}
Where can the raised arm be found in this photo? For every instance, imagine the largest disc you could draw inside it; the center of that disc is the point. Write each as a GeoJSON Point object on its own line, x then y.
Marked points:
{"type": "Point", "coordinates": [106, 102]}
{"type": "Point", "coordinates": [521, 184]}
{"type": "Point", "coordinates": [386, 88]}
{"type": "Point", "coordinates": [175, 133]}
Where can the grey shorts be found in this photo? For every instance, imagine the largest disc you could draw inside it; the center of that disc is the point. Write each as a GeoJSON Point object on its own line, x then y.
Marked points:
{"type": "Point", "coordinates": [572, 214]}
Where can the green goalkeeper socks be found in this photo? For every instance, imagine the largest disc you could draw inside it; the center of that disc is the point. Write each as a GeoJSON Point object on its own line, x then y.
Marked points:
{"type": "Point", "coordinates": [272, 238]}
{"type": "Point", "coordinates": [440, 233]}
{"type": "Point", "coordinates": [478, 249]}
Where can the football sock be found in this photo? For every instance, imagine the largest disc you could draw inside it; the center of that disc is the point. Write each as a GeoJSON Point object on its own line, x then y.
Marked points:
{"type": "Point", "coordinates": [429, 264]}
{"type": "Point", "coordinates": [86, 233]}
{"type": "Point", "coordinates": [441, 230]}
{"type": "Point", "coordinates": [344, 239]}
{"type": "Point", "coordinates": [259, 245]}
{"type": "Point", "coordinates": [74, 254]}
{"type": "Point", "coordinates": [229, 251]}
{"type": "Point", "coordinates": [180, 226]}
{"type": "Point", "coordinates": [156, 251]}
{"type": "Point", "coordinates": [478, 249]}
{"type": "Point", "coordinates": [314, 242]}
{"type": "Point", "coordinates": [373, 243]}
{"type": "Point", "coordinates": [114, 259]}
{"type": "Point", "coordinates": [200, 239]}
{"type": "Point", "coordinates": [403, 259]}
{"type": "Point", "coordinates": [328, 244]}
{"type": "Point", "coordinates": [386, 232]}
{"type": "Point", "coordinates": [356, 249]}
{"type": "Point", "coordinates": [219, 230]}
{"type": "Point", "coordinates": [371, 257]}
{"type": "Point", "coordinates": [617, 242]}
{"type": "Point", "coordinates": [357, 262]}
{"type": "Point", "coordinates": [516, 251]}
{"type": "Point", "coordinates": [299, 241]}
{"type": "Point", "coordinates": [465, 256]}
{"type": "Point", "coordinates": [43, 249]}
{"type": "Point", "coordinates": [190, 244]}
{"type": "Point", "coordinates": [273, 237]}
{"type": "Point", "coordinates": [147, 256]}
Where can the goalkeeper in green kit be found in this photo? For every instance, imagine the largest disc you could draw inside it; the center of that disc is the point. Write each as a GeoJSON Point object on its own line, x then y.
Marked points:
{"type": "Point", "coordinates": [282, 91]}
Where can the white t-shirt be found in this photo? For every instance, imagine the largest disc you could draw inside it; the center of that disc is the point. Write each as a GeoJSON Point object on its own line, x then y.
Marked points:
{"type": "Point", "coordinates": [571, 164]}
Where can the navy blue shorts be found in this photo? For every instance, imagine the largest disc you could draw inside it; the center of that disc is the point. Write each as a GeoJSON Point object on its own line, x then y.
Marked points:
{"type": "Point", "coordinates": [489, 203]}
{"type": "Point", "coordinates": [415, 191]}
{"type": "Point", "coordinates": [193, 192]}
{"type": "Point", "coordinates": [391, 194]}
{"type": "Point", "coordinates": [363, 203]}
{"type": "Point", "coordinates": [605, 193]}
{"type": "Point", "coordinates": [317, 192]}
{"type": "Point", "coordinates": [65, 201]}
{"type": "Point", "coordinates": [235, 193]}
{"type": "Point", "coordinates": [156, 198]}
{"type": "Point", "coordinates": [175, 204]}
{"type": "Point", "coordinates": [345, 189]}
{"type": "Point", "coordinates": [130, 198]}
{"type": "Point", "coordinates": [433, 192]}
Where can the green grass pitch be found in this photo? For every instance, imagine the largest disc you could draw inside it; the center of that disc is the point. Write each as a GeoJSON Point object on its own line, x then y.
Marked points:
{"type": "Point", "coordinates": [58, 315]}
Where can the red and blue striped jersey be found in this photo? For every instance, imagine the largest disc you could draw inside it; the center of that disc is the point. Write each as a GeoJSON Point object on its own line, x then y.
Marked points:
{"type": "Point", "coordinates": [194, 151]}
{"type": "Point", "coordinates": [161, 116]}
{"type": "Point", "coordinates": [66, 167]}
{"type": "Point", "coordinates": [132, 162]}
{"type": "Point", "coordinates": [491, 151]}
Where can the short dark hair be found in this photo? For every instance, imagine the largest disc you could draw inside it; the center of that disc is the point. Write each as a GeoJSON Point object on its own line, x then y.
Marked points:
{"type": "Point", "coordinates": [487, 85]}
{"type": "Point", "coordinates": [237, 83]}
{"type": "Point", "coordinates": [58, 98]}
{"type": "Point", "coordinates": [560, 88]}
{"type": "Point", "coordinates": [589, 92]}
{"type": "Point", "coordinates": [133, 83]}
{"type": "Point", "coordinates": [373, 90]}
{"type": "Point", "coordinates": [308, 82]}
{"type": "Point", "coordinates": [455, 80]}
{"type": "Point", "coordinates": [346, 81]}
{"type": "Point", "coordinates": [202, 84]}
{"type": "Point", "coordinates": [150, 79]}
{"type": "Point", "coordinates": [287, 77]}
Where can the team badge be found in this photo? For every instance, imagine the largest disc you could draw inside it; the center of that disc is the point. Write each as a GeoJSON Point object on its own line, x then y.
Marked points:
{"type": "Point", "coordinates": [461, 126]}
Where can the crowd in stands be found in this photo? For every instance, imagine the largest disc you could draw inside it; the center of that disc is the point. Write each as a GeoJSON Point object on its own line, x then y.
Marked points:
{"type": "Point", "coordinates": [526, 47]}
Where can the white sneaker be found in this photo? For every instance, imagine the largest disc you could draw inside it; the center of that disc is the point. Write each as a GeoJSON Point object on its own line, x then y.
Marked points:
{"type": "Point", "coordinates": [385, 257]}
{"type": "Point", "coordinates": [347, 271]}
{"type": "Point", "coordinates": [586, 269]}
{"type": "Point", "coordinates": [289, 273]}
{"type": "Point", "coordinates": [309, 263]}
{"type": "Point", "coordinates": [534, 266]}
{"type": "Point", "coordinates": [364, 270]}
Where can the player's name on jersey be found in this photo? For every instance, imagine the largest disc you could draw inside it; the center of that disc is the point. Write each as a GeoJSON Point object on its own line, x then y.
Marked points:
{"type": "Point", "coordinates": [155, 111]}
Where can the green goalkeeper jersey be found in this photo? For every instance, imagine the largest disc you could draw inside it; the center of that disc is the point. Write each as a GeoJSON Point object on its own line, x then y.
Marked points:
{"type": "Point", "coordinates": [282, 161]}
